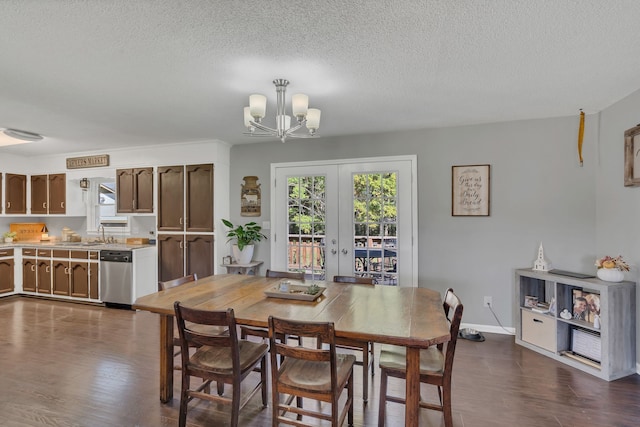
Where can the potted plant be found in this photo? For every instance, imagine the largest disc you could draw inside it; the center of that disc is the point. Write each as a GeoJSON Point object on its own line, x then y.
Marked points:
{"type": "Point", "coordinates": [9, 236]}
{"type": "Point", "coordinates": [245, 237]}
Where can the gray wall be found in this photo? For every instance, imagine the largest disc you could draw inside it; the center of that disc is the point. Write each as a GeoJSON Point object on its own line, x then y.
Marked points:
{"type": "Point", "coordinates": [618, 208]}
{"type": "Point", "coordinates": [539, 193]}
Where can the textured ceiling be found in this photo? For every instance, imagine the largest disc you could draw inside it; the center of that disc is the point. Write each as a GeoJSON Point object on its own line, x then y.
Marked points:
{"type": "Point", "coordinates": [99, 74]}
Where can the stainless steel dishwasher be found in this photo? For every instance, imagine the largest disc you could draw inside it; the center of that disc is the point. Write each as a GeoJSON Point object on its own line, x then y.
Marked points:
{"type": "Point", "coordinates": [116, 278]}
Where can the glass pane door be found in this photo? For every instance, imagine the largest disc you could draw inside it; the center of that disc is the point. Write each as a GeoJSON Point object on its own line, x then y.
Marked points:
{"type": "Point", "coordinates": [348, 218]}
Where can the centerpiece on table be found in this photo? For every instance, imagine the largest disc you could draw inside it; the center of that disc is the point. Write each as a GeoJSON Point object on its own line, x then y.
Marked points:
{"type": "Point", "coordinates": [245, 237]}
{"type": "Point", "coordinates": [611, 269]}
{"type": "Point", "coordinates": [9, 236]}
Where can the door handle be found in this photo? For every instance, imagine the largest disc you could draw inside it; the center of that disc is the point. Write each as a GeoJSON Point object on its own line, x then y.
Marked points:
{"type": "Point", "coordinates": [44, 205]}
{"type": "Point", "coordinates": [333, 251]}
{"type": "Point", "coordinates": [344, 251]}
{"type": "Point", "coordinates": [62, 205]}
{"type": "Point", "coordinates": [47, 269]}
{"type": "Point", "coordinates": [8, 204]}
{"type": "Point", "coordinates": [33, 268]}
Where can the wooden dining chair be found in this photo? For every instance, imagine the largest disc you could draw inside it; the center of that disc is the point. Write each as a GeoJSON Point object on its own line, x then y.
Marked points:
{"type": "Point", "coordinates": [221, 358]}
{"type": "Point", "coordinates": [365, 347]}
{"type": "Point", "coordinates": [436, 364]}
{"type": "Point", "coordinates": [319, 374]}
{"type": "Point", "coordinates": [162, 286]}
{"type": "Point", "coordinates": [263, 333]}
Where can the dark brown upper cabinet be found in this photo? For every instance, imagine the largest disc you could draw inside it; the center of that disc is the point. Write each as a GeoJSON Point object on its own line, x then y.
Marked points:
{"type": "Point", "coordinates": [171, 198]}
{"type": "Point", "coordinates": [199, 198]}
{"type": "Point", "coordinates": [48, 194]}
{"type": "Point", "coordinates": [15, 194]}
{"type": "Point", "coordinates": [134, 190]}
{"type": "Point", "coordinates": [196, 196]}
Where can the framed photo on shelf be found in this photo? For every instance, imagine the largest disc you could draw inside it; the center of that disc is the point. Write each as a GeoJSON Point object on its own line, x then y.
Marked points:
{"type": "Point", "coordinates": [470, 190]}
{"type": "Point", "coordinates": [530, 301]}
{"type": "Point", "coordinates": [632, 157]}
{"type": "Point", "coordinates": [227, 260]}
{"type": "Point", "coordinates": [586, 305]}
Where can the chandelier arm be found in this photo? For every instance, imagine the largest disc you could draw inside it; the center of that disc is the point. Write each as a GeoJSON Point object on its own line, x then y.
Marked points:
{"type": "Point", "coordinates": [263, 128]}
{"type": "Point", "coordinates": [302, 135]}
{"type": "Point", "coordinates": [292, 129]}
{"type": "Point", "coordinates": [259, 134]}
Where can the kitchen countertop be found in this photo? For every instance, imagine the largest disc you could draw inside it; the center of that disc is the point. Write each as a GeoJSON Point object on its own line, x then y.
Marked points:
{"type": "Point", "coordinates": [75, 245]}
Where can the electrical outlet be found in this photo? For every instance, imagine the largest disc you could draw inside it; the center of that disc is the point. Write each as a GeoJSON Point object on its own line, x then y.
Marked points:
{"type": "Point", "coordinates": [488, 302]}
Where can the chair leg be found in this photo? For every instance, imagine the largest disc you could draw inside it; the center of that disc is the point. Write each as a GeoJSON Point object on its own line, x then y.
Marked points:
{"type": "Point", "coordinates": [365, 375]}
{"type": "Point", "coordinates": [373, 359]}
{"type": "Point", "coordinates": [263, 380]}
{"type": "Point", "coordinates": [235, 404]}
{"type": "Point", "coordinates": [299, 405]}
{"type": "Point", "coordinates": [220, 386]}
{"type": "Point", "coordinates": [446, 407]}
{"type": "Point", "coordinates": [184, 401]}
{"type": "Point", "coordinates": [382, 403]}
{"type": "Point", "coordinates": [350, 397]}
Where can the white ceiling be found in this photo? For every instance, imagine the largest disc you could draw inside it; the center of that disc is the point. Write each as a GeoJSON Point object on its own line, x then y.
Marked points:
{"type": "Point", "coordinates": [99, 74]}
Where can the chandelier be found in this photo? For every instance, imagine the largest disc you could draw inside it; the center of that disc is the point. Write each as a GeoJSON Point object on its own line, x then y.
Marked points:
{"type": "Point", "coordinates": [305, 116]}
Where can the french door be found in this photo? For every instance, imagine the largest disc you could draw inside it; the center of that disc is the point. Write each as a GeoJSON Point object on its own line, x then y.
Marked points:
{"type": "Point", "coordinates": [349, 217]}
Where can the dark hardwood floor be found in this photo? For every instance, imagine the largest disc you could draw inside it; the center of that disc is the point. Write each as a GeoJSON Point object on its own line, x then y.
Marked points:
{"type": "Point", "coordinates": [65, 364]}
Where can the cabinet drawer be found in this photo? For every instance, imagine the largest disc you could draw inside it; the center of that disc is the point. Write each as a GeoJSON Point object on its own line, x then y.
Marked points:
{"type": "Point", "coordinates": [6, 252]}
{"type": "Point", "coordinates": [59, 253]}
{"type": "Point", "coordinates": [44, 252]}
{"type": "Point", "coordinates": [539, 330]}
{"type": "Point", "coordinates": [80, 254]}
{"type": "Point", "coordinates": [93, 255]}
{"type": "Point", "coordinates": [29, 252]}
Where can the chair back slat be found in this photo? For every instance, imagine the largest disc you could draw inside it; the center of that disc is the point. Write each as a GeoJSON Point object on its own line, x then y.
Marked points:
{"type": "Point", "coordinates": [353, 279]}
{"type": "Point", "coordinates": [189, 318]}
{"type": "Point", "coordinates": [285, 274]}
{"type": "Point", "coordinates": [163, 286]}
{"type": "Point", "coordinates": [453, 310]}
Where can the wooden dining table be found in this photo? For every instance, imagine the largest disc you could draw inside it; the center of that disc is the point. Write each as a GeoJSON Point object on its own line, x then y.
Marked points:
{"type": "Point", "coordinates": [409, 317]}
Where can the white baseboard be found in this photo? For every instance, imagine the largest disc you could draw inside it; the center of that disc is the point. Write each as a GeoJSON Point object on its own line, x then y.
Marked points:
{"type": "Point", "coordinates": [638, 368]}
{"type": "Point", "coordinates": [489, 328]}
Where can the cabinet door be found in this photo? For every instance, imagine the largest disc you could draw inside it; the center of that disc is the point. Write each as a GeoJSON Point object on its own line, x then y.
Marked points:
{"type": "Point", "coordinates": [16, 194]}
{"type": "Point", "coordinates": [199, 198]}
{"type": "Point", "coordinates": [124, 190]}
{"type": "Point", "coordinates": [6, 275]}
{"type": "Point", "coordinates": [143, 190]}
{"type": "Point", "coordinates": [57, 193]}
{"type": "Point", "coordinates": [93, 280]}
{"type": "Point", "coordinates": [170, 198]}
{"type": "Point", "coordinates": [39, 194]}
{"type": "Point", "coordinates": [44, 276]}
{"type": "Point", "coordinates": [29, 274]}
{"type": "Point", "coordinates": [170, 256]}
{"type": "Point", "coordinates": [1, 192]}
{"type": "Point", "coordinates": [60, 277]}
{"type": "Point", "coordinates": [199, 250]}
{"type": "Point", "coordinates": [79, 279]}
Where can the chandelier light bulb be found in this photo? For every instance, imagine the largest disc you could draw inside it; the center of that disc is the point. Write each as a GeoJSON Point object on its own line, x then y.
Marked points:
{"type": "Point", "coordinates": [313, 119]}
{"type": "Point", "coordinates": [258, 106]}
{"type": "Point", "coordinates": [299, 105]}
{"type": "Point", "coordinates": [247, 117]}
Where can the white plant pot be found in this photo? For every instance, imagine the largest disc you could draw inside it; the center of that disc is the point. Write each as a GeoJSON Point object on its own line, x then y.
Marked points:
{"type": "Point", "coordinates": [8, 239]}
{"type": "Point", "coordinates": [610, 274]}
{"type": "Point", "coordinates": [243, 256]}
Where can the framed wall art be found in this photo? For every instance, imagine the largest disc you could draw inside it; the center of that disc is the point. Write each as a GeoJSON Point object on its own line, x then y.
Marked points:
{"type": "Point", "coordinates": [250, 197]}
{"type": "Point", "coordinates": [470, 190]}
{"type": "Point", "coordinates": [632, 157]}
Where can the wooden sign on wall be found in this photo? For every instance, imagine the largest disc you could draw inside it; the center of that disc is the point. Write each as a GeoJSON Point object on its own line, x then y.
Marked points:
{"type": "Point", "coordinates": [88, 161]}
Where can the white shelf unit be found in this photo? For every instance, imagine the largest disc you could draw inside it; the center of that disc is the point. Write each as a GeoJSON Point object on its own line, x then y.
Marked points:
{"type": "Point", "coordinates": [551, 335]}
